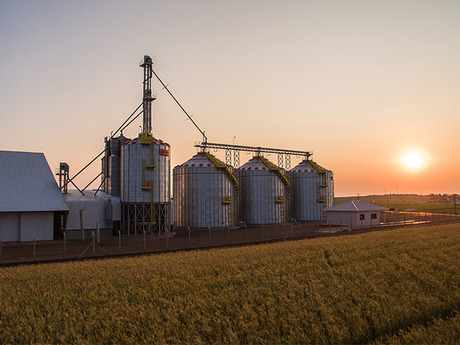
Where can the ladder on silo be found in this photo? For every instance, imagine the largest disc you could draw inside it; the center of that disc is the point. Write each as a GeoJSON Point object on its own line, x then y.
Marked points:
{"type": "Point", "coordinates": [236, 185]}
{"type": "Point", "coordinates": [285, 181]}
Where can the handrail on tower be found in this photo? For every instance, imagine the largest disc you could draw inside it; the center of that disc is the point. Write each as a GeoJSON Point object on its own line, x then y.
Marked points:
{"type": "Point", "coordinates": [256, 149]}
{"type": "Point", "coordinates": [147, 95]}
{"type": "Point", "coordinates": [317, 167]}
{"type": "Point", "coordinates": [223, 166]}
{"type": "Point", "coordinates": [275, 168]}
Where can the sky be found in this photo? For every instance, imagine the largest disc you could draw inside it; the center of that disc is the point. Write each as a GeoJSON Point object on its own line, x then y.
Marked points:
{"type": "Point", "coordinates": [358, 83]}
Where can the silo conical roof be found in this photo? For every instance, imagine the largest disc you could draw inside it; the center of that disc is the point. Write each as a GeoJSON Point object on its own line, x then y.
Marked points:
{"type": "Point", "coordinates": [202, 159]}
{"type": "Point", "coordinates": [308, 166]}
{"type": "Point", "coordinates": [256, 163]}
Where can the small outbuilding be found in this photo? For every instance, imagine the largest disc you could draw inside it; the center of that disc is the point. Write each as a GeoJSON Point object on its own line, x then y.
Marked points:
{"type": "Point", "coordinates": [31, 204]}
{"type": "Point", "coordinates": [92, 210]}
{"type": "Point", "coordinates": [355, 213]}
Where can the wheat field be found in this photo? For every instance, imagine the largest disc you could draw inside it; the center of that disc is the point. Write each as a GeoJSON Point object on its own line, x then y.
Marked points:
{"type": "Point", "coordinates": [394, 286]}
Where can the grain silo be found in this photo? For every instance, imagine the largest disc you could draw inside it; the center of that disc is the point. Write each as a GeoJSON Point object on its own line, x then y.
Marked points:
{"type": "Point", "coordinates": [145, 173]}
{"type": "Point", "coordinates": [312, 188]}
{"type": "Point", "coordinates": [111, 166]}
{"type": "Point", "coordinates": [264, 192]}
{"type": "Point", "coordinates": [205, 193]}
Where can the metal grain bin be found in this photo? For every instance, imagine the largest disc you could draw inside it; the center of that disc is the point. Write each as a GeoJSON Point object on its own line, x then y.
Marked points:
{"type": "Point", "coordinates": [205, 193]}
{"type": "Point", "coordinates": [145, 184]}
{"type": "Point", "coordinates": [312, 190]}
{"type": "Point", "coordinates": [264, 192]}
{"type": "Point", "coordinates": [111, 166]}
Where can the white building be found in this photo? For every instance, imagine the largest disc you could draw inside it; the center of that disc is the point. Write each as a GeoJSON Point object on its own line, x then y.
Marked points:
{"type": "Point", "coordinates": [91, 209]}
{"type": "Point", "coordinates": [31, 204]}
{"type": "Point", "coordinates": [354, 213]}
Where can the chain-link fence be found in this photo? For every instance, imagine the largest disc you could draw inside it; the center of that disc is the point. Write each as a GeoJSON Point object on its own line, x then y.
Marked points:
{"type": "Point", "coordinates": [184, 239]}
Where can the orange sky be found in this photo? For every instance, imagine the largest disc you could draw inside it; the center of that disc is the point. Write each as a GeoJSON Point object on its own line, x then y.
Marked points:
{"type": "Point", "coordinates": [358, 83]}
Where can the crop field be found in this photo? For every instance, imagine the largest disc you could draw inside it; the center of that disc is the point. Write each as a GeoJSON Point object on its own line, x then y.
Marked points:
{"type": "Point", "coordinates": [437, 332]}
{"type": "Point", "coordinates": [394, 286]}
{"type": "Point", "coordinates": [421, 203]}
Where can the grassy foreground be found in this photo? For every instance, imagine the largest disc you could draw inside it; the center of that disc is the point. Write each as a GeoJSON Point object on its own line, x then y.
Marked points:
{"type": "Point", "coordinates": [397, 286]}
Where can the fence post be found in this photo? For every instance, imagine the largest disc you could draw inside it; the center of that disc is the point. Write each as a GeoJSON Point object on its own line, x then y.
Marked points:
{"type": "Point", "coordinates": [209, 236]}
{"type": "Point", "coordinates": [65, 247]}
{"type": "Point", "coordinates": [263, 234]}
{"type": "Point", "coordinates": [277, 230]}
{"type": "Point", "coordinates": [98, 233]}
{"type": "Point", "coordinates": [81, 226]}
{"type": "Point", "coordinates": [34, 248]}
{"type": "Point", "coordinates": [292, 233]}
{"type": "Point", "coordinates": [119, 242]}
{"type": "Point", "coordinates": [228, 235]}
{"type": "Point", "coordinates": [295, 221]}
{"type": "Point", "coordinates": [94, 243]}
{"type": "Point", "coordinates": [167, 241]}
{"type": "Point", "coordinates": [189, 241]}
{"type": "Point", "coordinates": [262, 229]}
{"type": "Point", "coordinates": [329, 225]}
{"type": "Point", "coordinates": [145, 246]}
{"type": "Point", "coordinates": [245, 231]}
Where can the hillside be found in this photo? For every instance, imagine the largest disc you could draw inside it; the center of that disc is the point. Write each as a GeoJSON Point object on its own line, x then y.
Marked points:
{"type": "Point", "coordinates": [430, 203]}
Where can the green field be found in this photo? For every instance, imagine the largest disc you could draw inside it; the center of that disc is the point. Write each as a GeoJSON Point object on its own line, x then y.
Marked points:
{"type": "Point", "coordinates": [422, 203]}
{"type": "Point", "coordinates": [393, 286]}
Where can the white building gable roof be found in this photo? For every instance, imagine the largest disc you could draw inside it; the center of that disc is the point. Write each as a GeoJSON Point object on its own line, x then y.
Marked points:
{"type": "Point", "coordinates": [356, 206]}
{"type": "Point", "coordinates": [27, 184]}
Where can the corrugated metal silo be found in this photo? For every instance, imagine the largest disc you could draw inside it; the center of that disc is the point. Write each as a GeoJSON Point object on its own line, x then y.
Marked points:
{"type": "Point", "coordinates": [264, 192]}
{"type": "Point", "coordinates": [145, 184]}
{"type": "Point", "coordinates": [111, 166]}
{"type": "Point", "coordinates": [312, 191]}
{"type": "Point", "coordinates": [205, 193]}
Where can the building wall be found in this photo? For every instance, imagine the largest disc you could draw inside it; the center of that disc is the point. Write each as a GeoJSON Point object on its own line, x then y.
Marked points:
{"type": "Point", "coordinates": [25, 226]}
{"type": "Point", "coordinates": [93, 213]}
{"type": "Point", "coordinates": [353, 218]}
{"type": "Point", "coordinates": [9, 226]}
{"type": "Point", "coordinates": [38, 225]}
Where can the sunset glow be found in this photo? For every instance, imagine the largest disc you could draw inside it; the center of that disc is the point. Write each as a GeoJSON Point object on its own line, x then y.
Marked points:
{"type": "Point", "coordinates": [415, 160]}
{"type": "Point", "coordinates": [370, 87]}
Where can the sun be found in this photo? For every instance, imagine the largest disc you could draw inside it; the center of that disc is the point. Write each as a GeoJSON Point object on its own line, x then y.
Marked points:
{"type": "Point", "coordinates": [414, 160]}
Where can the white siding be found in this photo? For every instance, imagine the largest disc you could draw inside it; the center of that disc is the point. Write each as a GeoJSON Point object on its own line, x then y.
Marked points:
{"type": "Point", "coordinates": [93, 212]}
{"type": "Point", "coordinates": [9, 226]}
{"type": "Point", "coordinates": [353, 218]}
{"type": "Point", "coordinates": [38, 225]}
{"type": "Point", "coordinates": [24, 226]}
